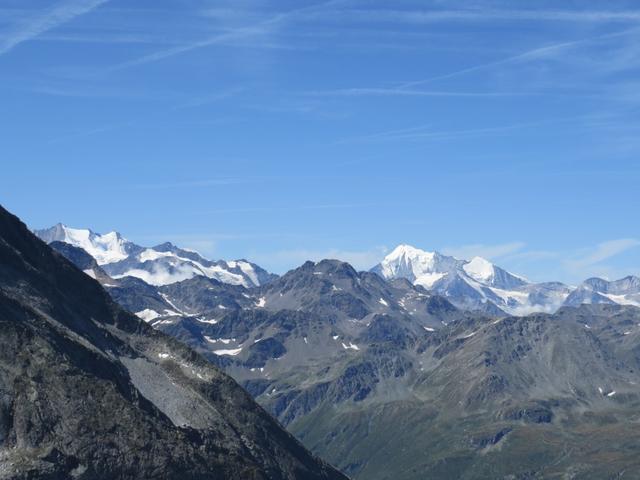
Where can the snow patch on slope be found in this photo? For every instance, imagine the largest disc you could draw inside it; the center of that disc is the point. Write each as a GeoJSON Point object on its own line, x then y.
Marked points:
{"type": "Point", "coordinates": [148, 315]}
{"type": "Point", "coordinates": [159, 276]}
{"type": "Point", "coordinates": [479, 269]}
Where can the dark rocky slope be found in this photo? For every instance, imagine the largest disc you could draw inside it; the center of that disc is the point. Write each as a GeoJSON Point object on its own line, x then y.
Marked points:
{"type": "Point", "coordinates": [89, 391]}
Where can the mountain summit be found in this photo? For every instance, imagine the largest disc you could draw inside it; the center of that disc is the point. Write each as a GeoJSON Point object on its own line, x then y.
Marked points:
{"type": "Point", "coordinates": [477, 284]}
{"type": "Point", "coordinates": [108, 248]}
{"type": "Point", "coordinates": [163, 264]}
{"type": "Point", "coordinates": [625, 291]}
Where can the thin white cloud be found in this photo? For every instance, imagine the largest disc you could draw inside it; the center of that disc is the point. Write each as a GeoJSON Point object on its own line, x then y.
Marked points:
{"type": "Point", "coordinates": [403, 92]}
{"type": "Point", "coordinates": [214, 40]}
{"type": "Point", "coordinates": [49, 19]}
{"type": "Point", "coordinates": [261, 28]}
{"type": "Point", "coordinates": [487, 15]}
{"type": "Point", "coordinates": [471, 13]}
{"type": "Point", "coordinates": [539, 53]}
{"type": "Point", "coordinates": [486, 251]}
{"type": "Point", "coordinates": [106, 38]}
{"type": "Point", "coordinates": [602, 252]}
{"type": "Point", "coordinates": [417, 133]}
{"type": "Point", "coordinates": [425, 132]}
{"type": "Point", "coordinates": [574, 266]}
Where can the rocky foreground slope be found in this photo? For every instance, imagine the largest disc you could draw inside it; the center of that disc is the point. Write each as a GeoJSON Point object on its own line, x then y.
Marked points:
{"type": "Point", "coordinates": [89, 391]}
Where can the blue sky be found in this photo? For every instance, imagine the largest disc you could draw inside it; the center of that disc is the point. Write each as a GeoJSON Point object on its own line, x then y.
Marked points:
{"type": "Point", "coordinates": [288, 130]}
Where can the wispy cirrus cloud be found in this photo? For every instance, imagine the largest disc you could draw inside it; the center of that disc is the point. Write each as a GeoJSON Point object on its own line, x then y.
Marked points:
{"type": "Point", "coordinates": [106, 38]}
{"type": "Point", "coordinates": [539, 53]}
{"type": "Point", "coordinates": [404, 92]}
{"type": "Point", "coordinates": [257, 29]}
{"type": "Point", "coordinates": [49, 19]}
{"type": "Point", "coordinates": [572, 266]}
{"type": "Point", "coordinates": [484, 15]}
{"type": "Point", "coordinates": [170, 52]}
{"type": "Point", "coordinates": [602, 252]}
{"type": "Point", "coordinates": [427, 132]}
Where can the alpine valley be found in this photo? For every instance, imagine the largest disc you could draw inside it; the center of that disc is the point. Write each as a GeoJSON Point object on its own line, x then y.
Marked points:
{"type": "Point", "coordinates": [427, 366]}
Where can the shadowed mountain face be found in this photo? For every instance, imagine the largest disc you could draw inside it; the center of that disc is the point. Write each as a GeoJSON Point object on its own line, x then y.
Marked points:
{"type": "Point", "coordinates": [89, 391]}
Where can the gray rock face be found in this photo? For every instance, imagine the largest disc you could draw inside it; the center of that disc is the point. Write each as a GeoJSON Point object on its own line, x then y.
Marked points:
{"type": "Point", "coordinates": [89, 391]}
{"type": "Point", "coordinates": [333, 289]}
{"type": "Point", "coordinates": [477, 399]}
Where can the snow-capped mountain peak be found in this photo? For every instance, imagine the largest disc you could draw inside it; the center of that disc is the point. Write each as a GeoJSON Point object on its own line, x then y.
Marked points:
{"type": "Point", "coordinates": [405, 251]}
{"type": "Point", "coordinates": [418, 266]}
{"type": "Point", "coordinates": [108, 248]}
{"type": "Point", "coordinates": [160, 265]}
{"type": "Point", "coordinates": [625, 291]}
{"type": "Point", "coordinates": [475, 284]}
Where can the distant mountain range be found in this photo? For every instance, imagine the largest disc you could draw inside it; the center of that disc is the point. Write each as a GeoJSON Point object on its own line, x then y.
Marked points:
{"type": "Point", "coordinates": [474, 285]}
{"type": "Point", "coordinates": [160, 265]}
{"type": "Point", "coordinates": [480, 285]}
{"type": "Point", "coordinates": [416, 369]}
